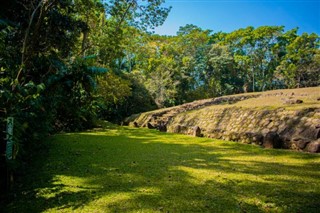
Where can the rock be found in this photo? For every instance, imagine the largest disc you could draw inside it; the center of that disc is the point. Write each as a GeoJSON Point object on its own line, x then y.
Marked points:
{"type": "Point", "coordinates": [234, 136]}
{"type": "Point", "coordinates": [317, 133]}
{"type": "Point", "coordinates": [293, 101]}
{"type": "Point", "coordinates": [257, 138]}
{"type": "Point", "coordinates": [162, 127]}
{"type": "Point", "coordinates": [176, 129]}
{"type": "Point", "coordinates": [308, 131]}
{"type": "Point", "coordinates": [272, 140]}
{"type": "Point", "coordinates": [313, 147]}
{"type": "Point", "coordinates": [244, 137]}
{"type": "Point", "coordinates": [318, 99]}
{"type": "Point", "coordinates": [299, 143]}
{"type": "Point", "coordinates": [288, 102]}
{"type": "Point", "coordinates": [251, 138]}
{"type": "Point", "coordinates": [150, 126]}
{"type": "Point", "coordinates": [196, 131]}
{"type": "Point", "coordinates": [216, 133]}
{"type": "Point", "coordinates": [133, 124]}
{"type": "Point", "coordinates": [286, 142]}
{"type": "Point", "coordinates": [185, 129]}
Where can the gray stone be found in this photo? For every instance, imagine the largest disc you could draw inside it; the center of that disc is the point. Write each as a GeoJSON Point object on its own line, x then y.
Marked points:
{"type": "Point", "coordinates": [299, 143]}
{"type": "Point", "coordinates": [251, 138]}
{"type": "Point", "coordinates": [162, 128]}
{"type": "Point", "coordinates": [257, 138]}
{"type": "Point", "coordinates": [272, 140]}
{"type": "Point", "coordinates": [196, 131]}
{"type": "Point", "coordinates": [176, 129]}
{"type": "Point", "coordinates": [317, 133]}
{"type": "Point", "coordinates": [133, 124]}
{"type": "Point", "coordinates": [293, 101]}
{"type": "Point", "coordinates": [150, 126]}
{"type": "Point", "coordinates": [234, 136]}
{"type": "Point", "coordinates": [313, 147]}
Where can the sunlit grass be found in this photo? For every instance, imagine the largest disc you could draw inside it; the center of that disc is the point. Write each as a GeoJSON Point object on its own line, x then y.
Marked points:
{"type": "Point", "coordinates": [139, 170]}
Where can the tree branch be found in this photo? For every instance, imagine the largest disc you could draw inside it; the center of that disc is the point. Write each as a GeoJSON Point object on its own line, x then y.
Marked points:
{"type": "Point", "coordinates": [25, 41]}
{"type": "Point", "coordinates": [124, 15]}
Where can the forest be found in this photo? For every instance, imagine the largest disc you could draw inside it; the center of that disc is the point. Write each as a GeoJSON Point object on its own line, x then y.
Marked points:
{"type": "Point", "coordinates": [65, 64]}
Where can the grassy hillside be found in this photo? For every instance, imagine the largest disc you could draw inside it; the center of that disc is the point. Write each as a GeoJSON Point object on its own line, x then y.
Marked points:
{"type": "Point", "coordinates": [291, 116]}
{"type": "Point", "coordinates": [123, 169]}
{"type": "Point", "coordinates": [280, 98]}
{"type": "Point", "coordinates": [259, 100]}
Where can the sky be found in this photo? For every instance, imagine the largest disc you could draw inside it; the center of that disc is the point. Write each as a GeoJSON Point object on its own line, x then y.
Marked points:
{"type": "Point", "coordinates": [230, 15]}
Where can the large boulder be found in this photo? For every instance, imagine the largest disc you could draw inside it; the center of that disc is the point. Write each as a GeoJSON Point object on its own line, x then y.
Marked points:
{"type": "Point", "coordinates": [257, 138]}
{"type": "Point", "coordinates": [162, 127]}
{"type": "Point", "coordinates": [150, 126]}
{"type": "Point", "coordinates": [196, 131]}
{"type": "Point", "coordinates": [176, 129]}
{"type": "Point", "coordinates": [133, 124]}
{"type": "Point", "coordinates": [313, 146]}
{"type": "Point", "coordinates": [299, 143]}
{"type": "Point", "coordinates": [317, 133]}
{"type": "Point", "coordinates": [272, 140]}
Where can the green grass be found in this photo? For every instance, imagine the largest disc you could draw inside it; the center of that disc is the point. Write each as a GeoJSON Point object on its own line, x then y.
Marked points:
{"type": "Point", "coordinates": [309, 97]}
{"type": "Point", "coordinates": [123, 169]}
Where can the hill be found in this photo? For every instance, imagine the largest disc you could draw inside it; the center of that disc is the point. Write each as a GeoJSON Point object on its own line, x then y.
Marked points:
{"type": "Point", "coordinates": [287, 119]}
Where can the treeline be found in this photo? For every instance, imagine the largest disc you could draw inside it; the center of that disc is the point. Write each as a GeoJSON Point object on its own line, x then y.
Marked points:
{"type": "Point", "coordinates": [64, 64]}
{"type": "Point", "coordinates": [199, 64]}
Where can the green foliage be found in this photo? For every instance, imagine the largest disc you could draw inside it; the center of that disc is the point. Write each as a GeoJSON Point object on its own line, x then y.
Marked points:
{"type": "Point", "coordinates": [221, 77]}
{"type": "Point", "coordinates": [300, 66]}
{"type": "Point", "coordinates": [120, 97]}
{"type": "Point", "coordinates": [197, 64]}
{"type": "Point", "coordinates": [52, 53]}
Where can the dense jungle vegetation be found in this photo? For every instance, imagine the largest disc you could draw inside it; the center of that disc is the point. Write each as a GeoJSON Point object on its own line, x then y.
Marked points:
{"type": "Point", "coordinates": [64, 64]}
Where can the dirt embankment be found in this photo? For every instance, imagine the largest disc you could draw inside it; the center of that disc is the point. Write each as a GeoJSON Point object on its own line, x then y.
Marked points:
{"type": "Point", "coordinates": [287, 119]}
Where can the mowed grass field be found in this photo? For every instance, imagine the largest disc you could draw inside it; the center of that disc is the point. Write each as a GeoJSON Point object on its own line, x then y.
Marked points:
{"type": "Point", "coordinates": [123, 169]}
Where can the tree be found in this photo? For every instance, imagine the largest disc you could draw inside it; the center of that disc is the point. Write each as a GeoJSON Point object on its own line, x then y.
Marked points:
{"type": "Point", "coordinates": [161, 83]}
{"type": "Point", "coordinates": [192, 48]}
{"type": "Point", "coordinates": [300, 66]}
{"type": "Point", "coordinates": [222, 77]}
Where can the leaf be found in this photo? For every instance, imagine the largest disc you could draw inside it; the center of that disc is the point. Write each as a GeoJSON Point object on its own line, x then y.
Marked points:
{"type": "Point", "coordinates": [97, 70]}
{"type": "Point", "coordinates": [40, 87]}
{"type": "Point", "coordinates": [90, 57]}
{"type": "Point", "coordinates": [29, 84]}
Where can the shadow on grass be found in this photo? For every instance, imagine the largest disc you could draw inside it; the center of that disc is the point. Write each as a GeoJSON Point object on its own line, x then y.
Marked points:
{"type": "Point", "coordinates": [138, 170]}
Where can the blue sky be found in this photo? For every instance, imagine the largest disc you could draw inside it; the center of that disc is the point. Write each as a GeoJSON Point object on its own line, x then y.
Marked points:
{"type": "Point", "coordinates": [230, 15]}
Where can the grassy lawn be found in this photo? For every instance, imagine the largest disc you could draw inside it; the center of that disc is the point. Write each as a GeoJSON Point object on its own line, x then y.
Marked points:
{"type": "Point", "coordinates": [122, 169]}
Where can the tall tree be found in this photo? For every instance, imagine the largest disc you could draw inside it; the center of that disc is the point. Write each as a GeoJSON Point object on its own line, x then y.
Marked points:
{"type": "Point", "coordinates": [221, 76]}
{"type": "Point", "coordinates": [300, 66]}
